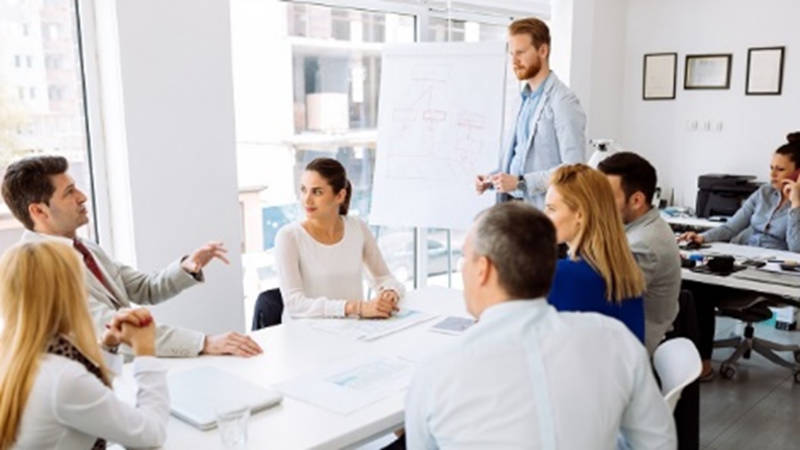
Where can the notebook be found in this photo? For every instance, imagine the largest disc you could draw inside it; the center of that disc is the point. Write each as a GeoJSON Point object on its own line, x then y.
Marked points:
{"type": "Point", "coordinates": [196, 394]}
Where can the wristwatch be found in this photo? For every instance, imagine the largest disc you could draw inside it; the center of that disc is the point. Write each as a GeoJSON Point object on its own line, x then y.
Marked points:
{"type": "Point", "coordinates": [521, 185]}
{"type": "Point", "coordinates": [113, 350]}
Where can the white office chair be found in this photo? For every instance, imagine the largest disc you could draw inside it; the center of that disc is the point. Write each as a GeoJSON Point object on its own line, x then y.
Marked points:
{"type": "Point", "coordinates": [677, 363]}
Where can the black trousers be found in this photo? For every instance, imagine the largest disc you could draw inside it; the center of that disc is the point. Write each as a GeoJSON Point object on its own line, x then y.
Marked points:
{"type": "Point", "coordinates": [687, 411]}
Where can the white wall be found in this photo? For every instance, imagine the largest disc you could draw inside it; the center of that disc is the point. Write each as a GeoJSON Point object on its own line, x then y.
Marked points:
{"type": "Point", "coordinates": [604, 106]}
{"type": "Point", "coordinates": [561, 39]}
{"type": "Point", "coordinates": [588, 54]}
{"type": "Point", "coordinates": [9, 235]}
{"type": "Point", "coordinates": [752, 126]}
{"type": "Point", "coordinates": [174, 126]}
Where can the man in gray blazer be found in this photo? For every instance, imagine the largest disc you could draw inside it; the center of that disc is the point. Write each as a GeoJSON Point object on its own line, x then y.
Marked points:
{"type": "Point", "coordinates": [42, 196]}
{"type": "Point", "coordinates": [633, 181]}
{"type": "Point", "coordinates": [550, 124]}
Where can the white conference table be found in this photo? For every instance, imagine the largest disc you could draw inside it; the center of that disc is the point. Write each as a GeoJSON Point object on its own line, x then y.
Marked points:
{"type": "Point", "coordinates": [294, 349]}
{"type": "Point", "coordinates": [741, 252]}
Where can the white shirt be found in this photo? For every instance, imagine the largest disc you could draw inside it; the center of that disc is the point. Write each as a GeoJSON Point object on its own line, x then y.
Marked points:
{"type": "Point", "coordinates": [69, 408]}
{"type": "Point", "coordinates": [316, 279]}
{"type": "Point", "coordinates": [526, 376]}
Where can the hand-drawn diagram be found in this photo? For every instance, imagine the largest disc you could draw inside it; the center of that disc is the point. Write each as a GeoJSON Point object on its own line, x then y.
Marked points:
{"type": "Point", "coordinates": [440, 123]}
{"type": "Point", "coordinates": [431, 138]}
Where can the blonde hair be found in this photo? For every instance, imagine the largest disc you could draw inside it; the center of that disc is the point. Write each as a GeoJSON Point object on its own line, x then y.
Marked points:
{"type": "Point", "coordinates": [42, 295]}
{"type": "Point", "coordinates": [601, 237]}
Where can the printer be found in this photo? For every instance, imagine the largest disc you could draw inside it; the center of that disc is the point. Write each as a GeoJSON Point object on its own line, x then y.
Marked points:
{"type": "Point", "coordinates": [722, 195]}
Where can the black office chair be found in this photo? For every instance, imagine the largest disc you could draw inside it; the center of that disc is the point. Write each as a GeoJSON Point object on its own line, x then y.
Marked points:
{"type": "Point", "coordinates": [268, 310]}
{"type": "Point", "coordinates": [751, 310]}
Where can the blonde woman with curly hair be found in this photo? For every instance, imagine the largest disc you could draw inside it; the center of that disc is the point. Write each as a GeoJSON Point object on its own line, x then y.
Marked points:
{"type": "Point", "coordinates": [599, 273]}
{"type": "Point", "coordinates": [55, 387]}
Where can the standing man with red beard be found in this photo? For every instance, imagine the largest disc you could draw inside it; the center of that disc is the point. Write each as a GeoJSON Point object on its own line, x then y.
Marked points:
{"type": "Point", "coordinates": [550, 127]}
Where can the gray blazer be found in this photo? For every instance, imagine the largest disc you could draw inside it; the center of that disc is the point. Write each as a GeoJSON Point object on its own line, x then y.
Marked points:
{"type": "Point", "coordinates": [653, 245]}
{"type": "Point", "coordinates": [558, 136]}
{"type": "Point", "coordinates": [133, 287]}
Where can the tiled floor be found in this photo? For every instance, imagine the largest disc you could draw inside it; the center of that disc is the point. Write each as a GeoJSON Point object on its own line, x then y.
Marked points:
{"type": "Point", "coordinates": [759, 408]}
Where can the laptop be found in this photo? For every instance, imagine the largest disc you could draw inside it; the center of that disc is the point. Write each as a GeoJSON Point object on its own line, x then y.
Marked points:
{"type": "Point", "coordinates": [195, 395]}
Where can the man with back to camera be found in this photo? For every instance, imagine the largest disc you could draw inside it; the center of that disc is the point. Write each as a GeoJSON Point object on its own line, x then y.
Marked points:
{"type": "Point", "coordinates": [41, 194]}
{"type": "Point", "coordinates": [633, 181]}
{"type": "Point", "coordinates": [525, 375]}
{"type": "Point", "coordinates": [550, 124]}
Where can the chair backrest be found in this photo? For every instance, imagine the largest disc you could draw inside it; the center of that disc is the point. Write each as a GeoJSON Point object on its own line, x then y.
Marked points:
{"type": "Point", "coordinates": [677, 363]}
{"type": "Point", "coordinates": [268, 310]}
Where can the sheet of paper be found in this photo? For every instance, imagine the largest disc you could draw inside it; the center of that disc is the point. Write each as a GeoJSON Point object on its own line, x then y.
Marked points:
{"type": "Point", "coordinates": [372, 329]}
{"type": "Point", "coordinates": [349, 386]}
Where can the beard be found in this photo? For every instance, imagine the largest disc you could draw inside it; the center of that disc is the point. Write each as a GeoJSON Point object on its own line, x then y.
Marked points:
{"type": "Point", "coordinates": [526, 73]}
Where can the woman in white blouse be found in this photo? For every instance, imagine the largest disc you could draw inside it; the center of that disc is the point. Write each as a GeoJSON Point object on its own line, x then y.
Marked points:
{"type": "Point", "coordinates": [54, 383]}
{"type": "Point", "coordinates": [321, 259]}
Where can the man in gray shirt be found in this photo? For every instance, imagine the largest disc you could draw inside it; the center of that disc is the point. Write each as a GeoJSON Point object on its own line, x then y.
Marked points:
{"type": "Point", "coordinates": [633, 180]}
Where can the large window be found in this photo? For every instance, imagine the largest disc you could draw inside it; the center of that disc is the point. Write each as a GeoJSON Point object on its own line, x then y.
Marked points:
{"type": "Point", "coordinates": [41, 93]}
{"type": "Point", "coordinates": [317, 95]}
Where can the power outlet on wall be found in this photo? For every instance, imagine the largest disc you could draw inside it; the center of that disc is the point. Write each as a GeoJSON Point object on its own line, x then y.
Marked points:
{"type": "Point", "coordinates": [707, 125]}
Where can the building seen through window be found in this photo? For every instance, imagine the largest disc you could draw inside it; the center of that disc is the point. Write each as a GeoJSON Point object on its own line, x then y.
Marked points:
{"type": "Point", "coordinates": [41, 101]}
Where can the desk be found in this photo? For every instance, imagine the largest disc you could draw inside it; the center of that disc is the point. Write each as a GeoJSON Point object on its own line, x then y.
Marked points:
{"type": "Point", "coordinates": [695, 223]}
{"type": "Point", "coordinates": [294, 349]}
{"type": "Point", "coordinates": [743, 251]}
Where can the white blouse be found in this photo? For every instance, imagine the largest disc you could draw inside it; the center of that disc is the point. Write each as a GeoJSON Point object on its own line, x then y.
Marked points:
{"type": "Point", "coordinates": [316, 279]}
{"type": "Point", "coordinates": [69, 408]}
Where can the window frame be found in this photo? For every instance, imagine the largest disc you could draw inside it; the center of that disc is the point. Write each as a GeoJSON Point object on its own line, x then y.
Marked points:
{"type": "Point", "coordinates": [422, 9]}
{"type": "Point", "coordinates": [93, 111]}
{"type": "Point", "coordinates": [422, 13]}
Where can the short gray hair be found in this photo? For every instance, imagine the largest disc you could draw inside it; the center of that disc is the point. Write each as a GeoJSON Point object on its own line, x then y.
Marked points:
{"type": "Point", "coordinates": [520, 241]}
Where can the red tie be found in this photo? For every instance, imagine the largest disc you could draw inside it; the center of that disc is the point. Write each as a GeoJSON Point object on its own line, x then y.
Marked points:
{"type": "Point", "coordinates": [91, 264]}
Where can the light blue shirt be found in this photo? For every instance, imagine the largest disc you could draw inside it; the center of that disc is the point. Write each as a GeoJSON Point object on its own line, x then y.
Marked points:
{"type": "Point", "coordinates": [526, 376]}
{"type": "Point", "coordinates": [523, 131]}
{"type": "Point", "coordinates": [761, 222]}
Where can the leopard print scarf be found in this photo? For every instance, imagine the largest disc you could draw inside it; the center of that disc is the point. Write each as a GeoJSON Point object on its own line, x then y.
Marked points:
{"type": "Point", "coordinates": [61, 346]}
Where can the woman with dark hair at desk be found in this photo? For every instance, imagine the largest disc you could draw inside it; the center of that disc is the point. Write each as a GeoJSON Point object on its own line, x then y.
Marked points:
{"type": "Point", "coordinates": [769, 218]}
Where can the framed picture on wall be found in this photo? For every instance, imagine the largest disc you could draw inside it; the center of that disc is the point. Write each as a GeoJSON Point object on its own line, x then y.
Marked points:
{"type": "Point", "coordinates": [764, 71]}
{"type": "Point", "coordinates": [658, 78]}
{"type": "Point", "coordinates": [708, 71]}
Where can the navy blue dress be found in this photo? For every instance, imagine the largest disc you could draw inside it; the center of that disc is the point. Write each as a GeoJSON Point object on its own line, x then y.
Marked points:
{"type": "Point", "coordinates": [577, 287]}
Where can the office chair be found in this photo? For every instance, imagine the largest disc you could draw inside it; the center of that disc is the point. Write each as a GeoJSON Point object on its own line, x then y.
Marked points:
{"type": "Point", "coordinates": [678, 364]}
{"type": "Point", "coordinates": [268, 309]}
{"type": "Point", "coordinates": [752, 310]}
